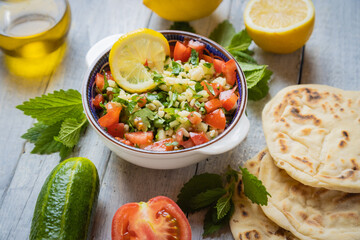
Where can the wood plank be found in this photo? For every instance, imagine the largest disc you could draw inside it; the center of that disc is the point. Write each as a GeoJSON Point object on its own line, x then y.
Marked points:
{"type": "Point", "coordinates": [31, 170]}
{"type": "Point", "coordinates": [332, 54]}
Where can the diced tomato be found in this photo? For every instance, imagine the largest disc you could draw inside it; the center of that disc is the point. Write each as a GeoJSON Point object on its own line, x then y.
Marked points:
{"type": "Point", "coordinates": [216, 119]}
{"type": "Point", "coordinates": [146, 63]}
{"type": "Point", "coordinates": [141, 139]}
{"type": "Point", "coordinates": [229, 72]}
{"type": "Point", "coordinates": [116, 130]}
{"type": "Point", "coordinates": [215, 86]}
{"type": "Point", "coordinates": [197, 46]}
{"type": "Point", "coordinates": [161, 145]}
{"type": "Point", "coordinates": [99, 98]}
{"type": "Point", "coordinates": [181, 52]}
{"type": "Point", "coordinates": [142, 101]}
{"type": "Point", "coordinates": [112, 115]}
{"type": "Point", "coordinates": [194, 118]}
{"type": "Point", "coordinates": [218, 65]}
{"type": "Point", "coordinates": [99, 81]}
{"type": "Point", "coordinates": [212, 105]}
{"type": "Point", "coordinates": [198, 138]}
{"type": "Point", "coordinates": [109, 75]}
{"type": "Point", "coordinates": [158, 219]}
{"type": "Point", "coordinates": [228, 99]}
{"type": "Point", "coordinates": [180, 139]}
{"type": "Point", "coordinates": [207, 58]}
{"type": "Point", "coordinates": [127, 142]}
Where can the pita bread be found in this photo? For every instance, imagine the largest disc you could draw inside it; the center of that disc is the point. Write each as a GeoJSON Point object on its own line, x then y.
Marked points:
{"type": "Point", "coordinates": [249, 221]}
{"type": "Point", "coordinates": [313, 132]}
{"type": "Point", "coordinates": [309, 213]}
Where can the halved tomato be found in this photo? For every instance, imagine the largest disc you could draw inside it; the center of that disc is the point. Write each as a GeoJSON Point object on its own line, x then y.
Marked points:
{"type": "Point", "coordinates": [198, 138]}
{"type": "Point", "coordinates": [112, 115]}
{"type": "Point", "coordinates": [212, 105]}
{"type": "Point", "coordinates": [228, 99]}
{"type": "Point", "coordinates": [142, 139]}
{"type": "Point", "coordinates": [181, 52]}
{"type": "Point", "coordinates": [194, 118]}
{"type": "Point", "coordinates": [99, 98]}
{"type": "Point", "coordinates": [116, 130]}
{"type": "Point", "coordinates": [158, 219]}
{"type": "Point", "coordinates": [216, 119]}
{"type": "Point", "coordinates": [162, 146]}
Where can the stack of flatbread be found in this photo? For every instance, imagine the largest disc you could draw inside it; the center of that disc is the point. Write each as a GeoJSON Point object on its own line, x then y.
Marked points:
{"type": "Point", "coordinates": [311, 168]}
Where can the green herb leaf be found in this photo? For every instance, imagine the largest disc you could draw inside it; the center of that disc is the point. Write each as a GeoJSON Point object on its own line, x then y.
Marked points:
{"type": "Point", "coordinates": [33, 134]}
{"type": "Point", "coordinates": [223, 206]}
{"type": "Point", "coordinates": [207, 65]}
{"type": "Point", "coordinates": [71, 128]}
{"type": "Point", "coordinates": [194, 57]}
{"type": "Point", "coordinates": [46, 144]}
{"type": "Point", "coordinates": [223, 33]}
{"type": "Point", "coordinates": [197, 184]}
{"type": "Point", "coordinates": [158, 78]}
{"type": "Point", "coordinates": [182, 26]}
{"type": "Point", "coordinates": [211, 226]}
{"type": "Point", "coordinates": [198, 87]}
{"type": "Point", "coordinates": [146, 116]}
{"type": "Point", "coordinates": [240, 41]}
{"type": "Point", "coordinates": [176, 68]}
{"type": "Point", "coordinates": [247, 67]}
{"type": "Point", "coordinates": [253, 188]}
{"type": "Point", "coordinates": [242, 57]}
{"type": "Point", "coordinates": [173, 99]}
{"type": "Point", "coordinates": [210, 88]}
{"type": "Point", "coordinates": [54, 107]}
{"type": "Point", "coordinates": [207, 198]}
{"type": "Point", "coordinates": [261, 89]}
{"type": "Point", "coordinates": [64, 152]}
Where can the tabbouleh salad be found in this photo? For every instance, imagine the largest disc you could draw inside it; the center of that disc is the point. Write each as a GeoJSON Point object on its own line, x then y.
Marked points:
{"type": "Point", "coordinates": [193, 102]}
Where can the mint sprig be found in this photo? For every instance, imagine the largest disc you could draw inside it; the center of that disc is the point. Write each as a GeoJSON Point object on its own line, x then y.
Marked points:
{"type": "Point", "coordinates": [215, 192]}
{"type": "Point", "coordinates": [60, 122]}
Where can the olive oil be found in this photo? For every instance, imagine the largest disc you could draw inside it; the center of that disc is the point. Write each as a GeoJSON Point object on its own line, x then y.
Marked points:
{"type": "Point", "coordinates": [34, 44]}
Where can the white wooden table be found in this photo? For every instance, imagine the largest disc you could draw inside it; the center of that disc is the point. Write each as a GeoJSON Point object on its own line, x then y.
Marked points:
{"type": "Point", "coordinates": [331, 56]}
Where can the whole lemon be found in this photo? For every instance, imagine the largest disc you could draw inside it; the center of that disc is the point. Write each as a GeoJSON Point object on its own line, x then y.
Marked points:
{"type": "Point", "coordinates": [182, 10]}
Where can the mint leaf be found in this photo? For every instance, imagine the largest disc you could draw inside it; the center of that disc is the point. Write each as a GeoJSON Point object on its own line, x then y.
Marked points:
{"type": "Point", "coordinates": [242, 57]}
{"type": "Point", "coordinates": [69, 134]}
{"type": "Point", "coordinates": [246, 67]}
{"type": "Point", "coordinates": [197, 184]}
{"type": "Point", "coordinates": [206, 198]}
{"type": "Point", "coordinates": [211, 226]}
{"type": "Point", "coordinates": [223, 33]}
{"type": "Point", "coordinates": [64, 152]}
{"type": "Point", "coordinates": [261, 89]}
{"type": "Point", "coordinates": [253, 188]}
{"type": "Point", "coordinates": [33, 134]}
{"type": "Point", "coordinates": [253, 77]}
{"type": "Point", "coordinates": [240, 41]}
{"type": "Point", "coordinates": [223, 206]}
{"type": "Point", "coordinates": [54, 107]}
{"type": "Point", "coordinates": [182, 26]}
{"type": "Point", "coordinates": [46, 143]}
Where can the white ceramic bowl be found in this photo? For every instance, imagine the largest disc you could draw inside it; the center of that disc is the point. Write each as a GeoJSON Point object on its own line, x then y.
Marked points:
{"type": "Point", "coordinates": [97, 57]}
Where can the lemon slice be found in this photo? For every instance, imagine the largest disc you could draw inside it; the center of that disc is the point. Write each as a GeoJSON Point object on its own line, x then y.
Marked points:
{"type": "Point", "coordinates": [129, 55]}
{"type": "Point", "coordinates": [279, 26]}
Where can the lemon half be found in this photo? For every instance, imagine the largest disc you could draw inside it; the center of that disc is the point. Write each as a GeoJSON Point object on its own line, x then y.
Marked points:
{"type": "Point", "coordinates": [129, 55]}
{"type": "Point", "coordinates": [279, 26]}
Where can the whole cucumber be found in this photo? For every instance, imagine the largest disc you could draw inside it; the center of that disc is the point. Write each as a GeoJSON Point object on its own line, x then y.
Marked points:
{"type": "Point", "coordinates": [66, 201]}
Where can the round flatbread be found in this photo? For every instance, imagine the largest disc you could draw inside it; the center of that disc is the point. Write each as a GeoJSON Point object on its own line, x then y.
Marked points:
{"type": "Point", "coordinates": [313, 132]}
{"type": "Point", "coordinates": [249, 222]}
{"type": "Point", "coordinates": [308, 212]}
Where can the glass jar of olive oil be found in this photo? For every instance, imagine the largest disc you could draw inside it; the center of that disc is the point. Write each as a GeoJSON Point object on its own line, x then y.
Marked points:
{"type": "Point", "coordinates": [33, 34]}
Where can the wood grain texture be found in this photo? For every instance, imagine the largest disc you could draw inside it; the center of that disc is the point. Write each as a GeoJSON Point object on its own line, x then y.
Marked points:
{"type": "Point", "coordinates": [331, 57]}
